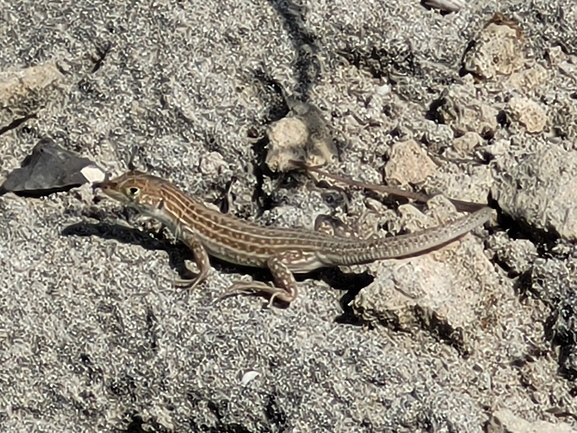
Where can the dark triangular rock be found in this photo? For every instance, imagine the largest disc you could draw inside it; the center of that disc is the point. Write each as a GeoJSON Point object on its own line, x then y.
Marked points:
{"type": "Point", "coordinates": [49, 169]}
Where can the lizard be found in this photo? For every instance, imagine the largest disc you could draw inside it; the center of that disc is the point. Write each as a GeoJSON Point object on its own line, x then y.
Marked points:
{"type": "Point", "coordinates": [284, 251]}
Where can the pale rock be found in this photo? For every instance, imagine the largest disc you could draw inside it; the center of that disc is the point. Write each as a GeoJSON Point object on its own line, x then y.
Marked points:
{"type": "Point", "coordinates": [440, 292]}
{"type": "Point", "coordinates": [303, 135]}
{"type": "Point", "coordinates": [504, 421]}
{"type": "Point", "coordinates": [409, 163]}
{"type": "Point", "coordinates": [23, 91]}
{"type": "Point", "coordinates": [528, 113]}
{"type": "Point", "coordinates": [466, 143]}
{"type": "Point", "coordinates": [538, 190]}
{"type": "Point", "coordinates": [498, 50]}
{"type": "Point", "coordinates": [529, 80]}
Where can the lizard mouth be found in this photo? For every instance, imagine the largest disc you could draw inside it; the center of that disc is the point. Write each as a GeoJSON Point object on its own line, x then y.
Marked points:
{"type": "Point", "coordinates": [110, 190]}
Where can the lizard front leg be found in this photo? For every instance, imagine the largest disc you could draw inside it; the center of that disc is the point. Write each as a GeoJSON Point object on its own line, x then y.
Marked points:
{"type": "Point", "coordinates": [202, 261]}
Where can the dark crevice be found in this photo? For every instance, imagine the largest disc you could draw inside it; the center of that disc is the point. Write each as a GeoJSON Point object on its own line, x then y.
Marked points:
{"type": "Point", "coordinates": [101, 53]}
{"type": "Point", "coordinates": [560, 330]}
{"type": "Point", "coordinates": [265, 201]}
{"type": "Point", "coordinates": [277, 111]}
{"type": "Point", "coordinates": [516, 229]}
{"type": "Point", "coordinates": [352, 284]}
{"type": "Point", "coordinates": [38, 193]}
{"type": "Point", "coordinates": [463, 70]}
{"type": "Point", "coordinates": [138, 425]}
{"type": "Point", "coordinates": [440, 11]}
{"type": "Point", "coordinates": [433, 111]}
{"type": "Point", "coordinates": [304, 43]}
{"type": "Point", "coordinates": [16, 123]}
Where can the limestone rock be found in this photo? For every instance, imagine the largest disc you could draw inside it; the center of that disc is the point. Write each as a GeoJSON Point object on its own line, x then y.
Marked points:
{"type": "Point", "coordinates": [497, 51]}
{"type": "Point", "coordinates": [529, 113]}
{"type": "Point", "coordinates": [409, 163]}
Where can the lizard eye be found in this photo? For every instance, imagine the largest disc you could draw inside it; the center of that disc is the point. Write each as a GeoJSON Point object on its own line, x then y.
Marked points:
{"type": "Point", "coordinates": [133, 191]}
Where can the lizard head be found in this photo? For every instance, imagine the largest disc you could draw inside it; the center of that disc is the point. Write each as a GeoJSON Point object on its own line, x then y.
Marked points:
{"type": "Point", "coordinates": [137, 189]}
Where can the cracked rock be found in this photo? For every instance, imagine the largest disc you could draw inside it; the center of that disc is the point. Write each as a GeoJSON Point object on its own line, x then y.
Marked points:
{"type": "Point", "coordinates": [439, 292]}
{"type": "Point", "coordinates": [539, 190]}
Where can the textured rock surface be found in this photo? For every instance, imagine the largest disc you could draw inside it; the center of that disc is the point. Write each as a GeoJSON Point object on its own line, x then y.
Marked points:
{"type": "Point", "coordinates": [408, 163]}
{"type": "Point", "coordinates": [539, 189]}
{"type": "Point", "coordinates": [94, 336]}
{"type": "Point", "coordinates": [504, 421]}
{"type": "Point", "coordinates": [24, 91]}
{"type": "Point", "coordinates": [443, 292]}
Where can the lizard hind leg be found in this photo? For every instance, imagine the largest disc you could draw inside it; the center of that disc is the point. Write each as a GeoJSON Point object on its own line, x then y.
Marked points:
{"type": "Point", "coordinates": [333, 227]}
{"type": "Point", "coordinates": [284, 290]}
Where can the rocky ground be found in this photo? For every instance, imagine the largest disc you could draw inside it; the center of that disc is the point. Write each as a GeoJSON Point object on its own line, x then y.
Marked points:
{"type": "Point", "coordinates": [479, 105]}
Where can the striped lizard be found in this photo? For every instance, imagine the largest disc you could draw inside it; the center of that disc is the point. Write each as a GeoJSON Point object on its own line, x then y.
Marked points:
{"type": "Point", "coordinates": [283, 251]}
